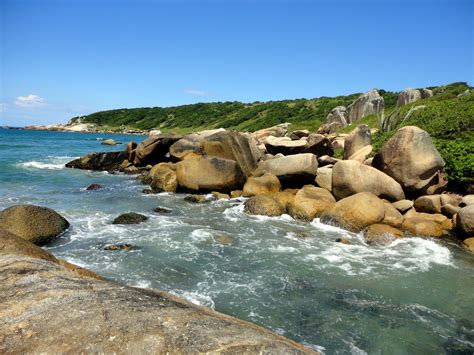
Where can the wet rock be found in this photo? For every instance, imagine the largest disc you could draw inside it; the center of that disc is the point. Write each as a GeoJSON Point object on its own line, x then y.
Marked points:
{"type": "Point", "coordinates": [381, 234]}
{"type": "Point", "coordinates": [162, 210]}
{"type": "Point", "coordinates": [411, 159]}
{"type": "Point", "coordinates": [209, 173]}
{"type": "Point", "coordinates": [109, 142]}
{"type": "Point", "coordinates": [468, 244]}
{"type": "Point", "coordinates": [148, 192]}
{"type": "Point", "coordinates": [130, 218]}
{"type": "Point", "coordinates": [350, 177]}
{"type": "Point", "coordinates": [50, 306]}
{"type": "Point", "coordinates": [164, 178]}
{"type": "Point", "coordinates": [266, 184]}
{"type": "Point", "coordinates": [465, 221]}
{"type": "Point", "coordinates": [343, 241]}
{"type": "Point", "coordinates": [108, 161]}
{"type": "Point", "coordinates": [236, 193]}
{"type": "Point", "coordinates": [94, 187]}
{"type": "Point", "coordinates": [39, 225]}
{"type": "Point", "coordinates": [422, 227]}
{"type": "Point", "coordinates": [263, 205]}
{"type": "Point", "coordinates": [116, 247]}
{"type": "Point", "coordinates": [196, 199]}
{"type": "Point", "coordinates": [220, 196]}
{"type": "Point", "coordinates": [355, 212]}
{"type": "Point", "coordinates": [224, 239]}
{"type": "Point", "coordinates": [310, 202]}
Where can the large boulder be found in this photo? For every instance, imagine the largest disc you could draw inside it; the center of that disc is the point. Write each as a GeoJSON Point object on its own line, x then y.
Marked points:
{"type": "Point", "coordinates": [107, 161]}
{"type": "Point", "coordinates": [295, 169]}
{"type": "Point", "coordinates": [337, 115]}
{"type": "Point", "coordinates": [154, 149]}
{"type": "Point", "coordinates": [411, 158]}
{"type": "Point", "coordinates": [210, 174]}
{"type": "Point", "coordinates": [409, 95]}
{"type": "Point", "coordinates": [266, 184]}
{"type": "Point", "coordinates": [366, 104]}
{"type": "Point", "coordinates": [355, 212]}
{"type": "Point", "coordinates": [381, 234]}
{"type": "Point", "coordinates": [49, 306]}
{"type": "Point", "coordinates": [164, 178]}
{"type": "Point", "coordinates": [279, 130]}
{"type": "Point", "coordinates": [465, 221]}
{"type": "Point", "coordinates": [428, 204]}
{"type": "Point", "coordinates": [350, 177]}
{"type": "Point", "coordinates": [319, 145]}
{"type": "Point", "coordinates": [264, 206]}
{"type": "Point", "coordinates": [310, 202]}
{"type": "Point", "coordinates": [284, 145]}
{"type": "Point", "coordinates": [39, 225]}
{"type": "Point", "coordinates": [324, 177]}
{"type": "Point", "coordinates": [356, 140]}
{"type": "Point", "coordinates": [190, 145]}
{"type": "Point", "coordinates": [241, 147]}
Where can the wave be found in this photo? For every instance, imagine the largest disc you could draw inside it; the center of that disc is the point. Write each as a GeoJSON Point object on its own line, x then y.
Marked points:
{"type": "Point", "coordinates": [42, 165]}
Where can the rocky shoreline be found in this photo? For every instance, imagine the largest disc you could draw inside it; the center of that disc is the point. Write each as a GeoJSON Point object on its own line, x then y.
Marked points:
{"type": "Point", "coordinates": [400, 191]}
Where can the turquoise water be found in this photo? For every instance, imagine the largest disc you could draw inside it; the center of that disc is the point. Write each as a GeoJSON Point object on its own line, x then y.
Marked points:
{"type": "Point", "coordinates": [416, 296]}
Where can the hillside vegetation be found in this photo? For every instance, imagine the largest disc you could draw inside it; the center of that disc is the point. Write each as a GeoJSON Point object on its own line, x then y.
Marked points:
{"type": "Point", "coordinates": [448, 118]}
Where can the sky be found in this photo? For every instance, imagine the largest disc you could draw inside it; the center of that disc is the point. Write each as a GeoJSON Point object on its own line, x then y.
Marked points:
{"type": "Point", "coordinates": [65, 58]}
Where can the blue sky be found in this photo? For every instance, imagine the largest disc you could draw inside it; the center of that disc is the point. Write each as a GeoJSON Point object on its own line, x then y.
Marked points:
{"type": "Point", "coordinates": [60, 59]}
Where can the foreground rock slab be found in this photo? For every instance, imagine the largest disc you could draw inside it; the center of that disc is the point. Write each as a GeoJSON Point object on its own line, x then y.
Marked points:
{"type": "Point", "coordinates": [48, 308]}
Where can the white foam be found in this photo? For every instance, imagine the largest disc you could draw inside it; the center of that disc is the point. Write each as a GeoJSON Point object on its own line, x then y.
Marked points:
{"type": "Point", "coordinates": [42, 165]}
{"type": "Point", "coordinates": [196, 298]}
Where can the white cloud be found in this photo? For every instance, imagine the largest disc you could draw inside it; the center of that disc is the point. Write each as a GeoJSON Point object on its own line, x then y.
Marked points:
{"type": "Point", "coordinates": [195, 92]}
{"type": "Point", "coordinates": [29, 101]}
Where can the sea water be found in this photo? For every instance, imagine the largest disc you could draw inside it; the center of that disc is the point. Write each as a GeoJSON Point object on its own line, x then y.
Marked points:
{"type": "Point", "coordinates": [414, 296]}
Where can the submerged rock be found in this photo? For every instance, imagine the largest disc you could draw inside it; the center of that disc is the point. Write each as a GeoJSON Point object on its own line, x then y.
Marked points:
{"type": "Point", "coordinates": [94, 187]}
{"type": "Point", "coordinates": [196, 199]}
{"type": "Point", "coordinates": [162, 210]}
{"type": "Point", "coordinates": [109, 142]}
{"type": "Point", "coordinates": [224, 239]}
{"type": "Point", "coordinates": [115, 247]}
{"type": "Point", "coordinates": [130, 218]}
{"type": "Point", "coordinates": [51, 306]}
{"type": "Point", "coordinates": [263, 205]}
{"type": "Point", "coordinates": [39, 225]}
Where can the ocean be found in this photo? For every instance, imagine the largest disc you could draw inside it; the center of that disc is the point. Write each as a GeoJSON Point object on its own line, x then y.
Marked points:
{"type": "Point", "coordinates": [414, 296]}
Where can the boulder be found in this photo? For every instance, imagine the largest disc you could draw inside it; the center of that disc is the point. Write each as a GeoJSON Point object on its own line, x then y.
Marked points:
{"type": "Point", "coordinates": [163, 177]}
{"type": "Point", "coordinates": [39, 225]}
{"type": "Point", "coordinates": [350, 177]}
{"type": "Point", "coordinates": [241, 147]}
{"type": "Point", "coordinates": [468, 244]}
{"type": "Point", "coordinates": [209, 173]}
{"type": "Point", "coordinates": [409, 95]}
{"type": "Point", "coordinates": [94, 187]}
{"type": "Point", "coordinates": [162, 210]}
{"type": "Point", "coordinates": [465, 221]}
{"type": "Point", "coordinates": [130, 218]}
{"type": "Point", "coordinates": [450, 199]}
{"type": "Point", "coordinates": [338, 115]}
{"type": "Point", "coordinates": [392, 216]}
{"type": "Point", "coordinates": [362, 154]}
{"type": "Point", "coordinates": [423, 227]}
{"type": "Point", "coordinates": [236, 193]}
{"type": "Point", "coordinates": [277, 131]}
{"type": "Point", "coordinates": [109, 142]}
{"type": "Point", "coordinates": [468, 200]}
{"type": "Point", "coordinates": [310, 202]}
{"type": "Point", "coordinates": [299, 133]}
{"type": "Point", "coordinates": [196, 199]}
{"type": "Point", "coordinates": [449, 210]}
{"type": "Point", "coordinates": [285, 198]}
{"type": "Point", "coordinates": [220, 195]}
{"type": "Point", "coordinates": [366, 104]}
{"type": "Point", "coordinates": [324, 178]}
{"type": "Point", "coordinates": [154, 149]}
{"type": "Point", "coordinates": [50, 306]}
{"type": "Point", "coordinates": [284, 145]}
{"type": "Point", "coordinates": [403, 205]}
{"type": "Point", "coordinates": [410, 158]}
{"type": "Point", "coordinates": [355, 212]}
{"type": "Point", "coordinates": [130, 150]}
{"type": "Point", "coordinates": [117, 247]}
{"type": "Point", "coordinates": [327, 160]}
{"type": "Point", "coordinates": [356, 140]}
{"type": "Point", "coordinates": [428, 204]}
{"type": "Point", "coordinates": [266, 184]}
{"type": "Point", "coordinates": [318, 145]}
{"type": "Point", "coordinates": [295, 169]}
{"type": "Point", "coordinates": [381, 234]}
{"type": "Point", "coordinates": [107, 161]}
{"type": "Point", "coordinates": [263, 205]}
